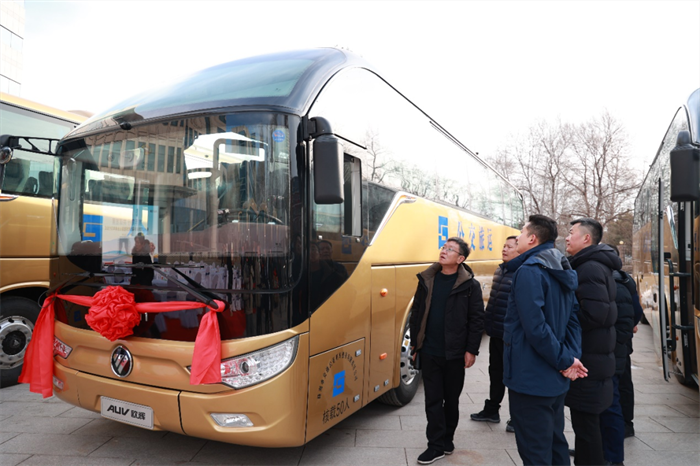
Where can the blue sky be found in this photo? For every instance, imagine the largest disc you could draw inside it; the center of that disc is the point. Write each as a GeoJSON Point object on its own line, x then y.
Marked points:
{"type": "Point", "coordinates": [483, 70]}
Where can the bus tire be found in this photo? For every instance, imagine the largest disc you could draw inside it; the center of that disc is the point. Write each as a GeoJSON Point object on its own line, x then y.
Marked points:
{"type": "Point", "coordinates": [17, 318]}
{"type": "Point", "coordinates": [410, 377]}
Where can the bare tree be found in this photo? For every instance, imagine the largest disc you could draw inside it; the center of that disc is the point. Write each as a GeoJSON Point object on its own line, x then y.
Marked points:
{"type": "Point", "coordinates": [605, 181]}
{"type": "Point", "coordinates": [572, 170]}
{"type": "Point", "coordinates": [539, 164]}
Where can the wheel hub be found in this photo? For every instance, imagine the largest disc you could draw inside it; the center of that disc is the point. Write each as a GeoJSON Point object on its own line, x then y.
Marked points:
{"type": "Point", "coordinates": [15, 334]}
{"type": "Point", "coordinates": [408, 372]}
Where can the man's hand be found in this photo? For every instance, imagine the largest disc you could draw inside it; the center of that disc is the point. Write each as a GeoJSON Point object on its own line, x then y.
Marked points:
{"type": "Point", "coordinates": [469, 360]}
{"type": "Point", "coordinates": [576, 371]}
{"type": "Point", "coordinates": [634, 330]}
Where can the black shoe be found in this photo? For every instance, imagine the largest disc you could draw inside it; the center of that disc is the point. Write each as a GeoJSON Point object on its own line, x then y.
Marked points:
{"type": "Point", "coordinates": [485, 416]}
{"type": "Point", "coordinates": [629, 431]}
{"type": "Point", "coordinates": [449, 447]}
{"type": "Point", "coordinates": [430, 456]}
{"type": "Point", "coordinates": [572, 452]}
{"type": "Point", "coordinates": [509, 427]}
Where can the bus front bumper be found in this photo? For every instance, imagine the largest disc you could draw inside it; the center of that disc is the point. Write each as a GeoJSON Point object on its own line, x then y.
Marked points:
{"type": "Point", "coordinates": [276, 407]}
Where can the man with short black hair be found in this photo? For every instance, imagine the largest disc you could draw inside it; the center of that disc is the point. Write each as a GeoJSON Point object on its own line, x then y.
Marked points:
{"type": "Point", "coordinates": [542, 342]}
{"type": "Point", "coordinates": [594, 264]}
{"type": "Point", "coordinates": [495, 315]}
{"type": "Point", "coordinates": [447, 320]}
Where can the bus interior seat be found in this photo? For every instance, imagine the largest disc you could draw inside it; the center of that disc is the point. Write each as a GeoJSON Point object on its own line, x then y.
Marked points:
{"type": "Point", "coordinates": [31, 186]}
{"type": "Point", "coordinates": [14, 173]}
{"type": "Point", "coordinates": [45, 184]}
{"type": "Point", "coordinates": [94, 190]}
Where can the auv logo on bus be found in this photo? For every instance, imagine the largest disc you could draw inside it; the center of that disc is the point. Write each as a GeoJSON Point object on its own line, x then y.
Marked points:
{"type": "Point", "coordinates": [485, 234]}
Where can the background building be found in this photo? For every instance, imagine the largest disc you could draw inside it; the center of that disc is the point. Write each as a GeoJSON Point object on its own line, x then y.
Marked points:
{"type": "Point", "coordinates": [11, 44]}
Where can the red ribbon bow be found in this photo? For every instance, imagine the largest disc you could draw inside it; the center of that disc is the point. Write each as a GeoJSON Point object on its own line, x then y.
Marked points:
{"type": "Point", "coordinates": [113, 314]}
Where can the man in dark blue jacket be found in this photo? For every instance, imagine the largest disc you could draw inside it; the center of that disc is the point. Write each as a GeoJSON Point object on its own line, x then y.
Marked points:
{"type": "Point", "coordinates": [494, 317]}
{"type": "Point", "coordinates": [542, 340]}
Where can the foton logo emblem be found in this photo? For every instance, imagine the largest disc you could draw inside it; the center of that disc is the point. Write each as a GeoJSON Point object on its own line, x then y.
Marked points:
{"type": "Point", "coordinates": [121, 362]}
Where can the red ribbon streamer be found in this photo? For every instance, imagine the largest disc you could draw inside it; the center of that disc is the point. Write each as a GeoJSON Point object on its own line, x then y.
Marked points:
{"type": "Point", "coordinates": [37, 370]}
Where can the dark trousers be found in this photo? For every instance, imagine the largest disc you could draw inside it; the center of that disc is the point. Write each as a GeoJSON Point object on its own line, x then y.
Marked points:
{"type": "Point", "coordinates": [612, 428]}
{"type": "Point", "coordinates": [539, 428]}
{"type": "Point", "coordinates": [588, 444]}
{"type": "Point", "coordinates": [627, 393]}
{"type": "Point", "coordinates": [443, 381]}
{"type": "Point", "coordinates": [496, 388]}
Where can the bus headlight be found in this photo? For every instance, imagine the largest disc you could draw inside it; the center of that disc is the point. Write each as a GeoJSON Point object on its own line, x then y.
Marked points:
{"type": "Point", "coordinates": [252, 368]}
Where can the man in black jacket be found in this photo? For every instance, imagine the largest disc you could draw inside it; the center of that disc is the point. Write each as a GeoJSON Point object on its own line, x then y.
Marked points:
{"type": "Point", "coordinates": [588, 397]}
{"type": "Point", "coordinates": [612, 422]}
{"type": "Point", "coordinates": [495, 315]}
{"type": "Point", "coordinates": [447, 320]}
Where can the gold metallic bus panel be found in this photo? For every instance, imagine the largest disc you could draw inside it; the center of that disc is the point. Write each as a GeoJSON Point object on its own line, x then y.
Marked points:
{"type": "Point", "coordinates": [166, 413]}
{"type": "Point", "coordinates": [382, 347]}
{"type": "Point", "coordinates": [406, 284]}
{"type": "Point", "coordinates": [65, 383]}
{"type": "Point", "coordinates": [26, 228]}
{"type": "Point", "coordinates": [335, 386]}
{"type": "Point", "coordinates": [276, 408]}
{"type": "Point", "coordinates": [399, 235]}
{"type": "Point", "coordinates": [158, 363]}
{"type": "Point", "coordinates": [344, 317]}
{"type": "Point", "coordinates": [22, 273]}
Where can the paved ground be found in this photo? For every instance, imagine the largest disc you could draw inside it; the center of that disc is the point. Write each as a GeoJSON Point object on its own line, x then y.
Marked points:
{"type": "Point", "coordinates": [50, 432]}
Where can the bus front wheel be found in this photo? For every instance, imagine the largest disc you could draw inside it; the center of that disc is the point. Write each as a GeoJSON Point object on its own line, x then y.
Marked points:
{"type": "Point", "coordinates": [410, 376]}
{"type": "Point", "coordinates": [17, 318]}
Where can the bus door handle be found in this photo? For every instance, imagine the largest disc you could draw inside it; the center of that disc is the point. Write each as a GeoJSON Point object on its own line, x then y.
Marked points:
{"type": "Point", "coordinates": [672, 305]}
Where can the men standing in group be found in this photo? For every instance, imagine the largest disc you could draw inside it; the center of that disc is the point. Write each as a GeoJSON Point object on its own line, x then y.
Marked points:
{"type": "Point", "coordinates": [541, 344]}
{"type": "Point", "coordinates": [495, 315]}
{"type": "Point", "coordinates": [447, 320]}
{"type": "Point", "coordinates": [594, 264]}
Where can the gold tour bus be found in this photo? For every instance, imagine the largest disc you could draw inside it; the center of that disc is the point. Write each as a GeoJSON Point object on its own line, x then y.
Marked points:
{"type": "Point", "coordinates": [666, 244]}
{"type": "Point", "coordinates": [268, 218]}
{"type": "Point", "coordinates": [25, 226]}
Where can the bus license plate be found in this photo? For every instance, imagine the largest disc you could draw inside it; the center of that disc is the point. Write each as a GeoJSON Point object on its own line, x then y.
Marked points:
{"type": "Point", "coordinates": [129, 413]}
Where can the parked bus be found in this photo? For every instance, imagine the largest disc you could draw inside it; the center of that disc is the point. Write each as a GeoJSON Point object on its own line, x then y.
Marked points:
{"type": "Point", "coordinates": [25, 226]}
{"type": "Point", "coordinates": [665, 244]}
{"type": "Point", "coordinates": [298, 192]}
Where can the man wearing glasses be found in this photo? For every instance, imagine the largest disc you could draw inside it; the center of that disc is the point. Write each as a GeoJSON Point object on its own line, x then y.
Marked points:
{"type": "Point", "coordinates": [447, 320]}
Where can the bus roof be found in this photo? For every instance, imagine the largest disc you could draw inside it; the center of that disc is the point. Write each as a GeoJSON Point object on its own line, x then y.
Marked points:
{"type": "Point", "coordinates": [285, 81]}
{"type": "Point", "coordinates": [75, 116]}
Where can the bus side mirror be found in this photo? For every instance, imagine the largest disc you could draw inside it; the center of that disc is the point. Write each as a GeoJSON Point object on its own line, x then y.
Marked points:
{"type": "Point", "coordinates": [328, 165]}
{"type": "Point", "coordinates": [7, 144]}
{"type": "Point", "coordinates": [685, 170]}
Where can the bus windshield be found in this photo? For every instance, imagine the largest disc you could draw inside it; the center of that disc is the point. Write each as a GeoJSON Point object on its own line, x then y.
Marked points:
{"type": "Point", "coordinates": [205, 197]}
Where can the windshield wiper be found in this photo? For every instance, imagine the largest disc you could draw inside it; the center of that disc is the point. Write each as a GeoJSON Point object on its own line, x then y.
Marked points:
{"type": "Point", "coordinates": [194, 288]}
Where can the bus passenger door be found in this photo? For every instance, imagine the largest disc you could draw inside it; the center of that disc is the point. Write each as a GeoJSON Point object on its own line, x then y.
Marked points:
{"type": "Point", "coordinates": [382, 333]}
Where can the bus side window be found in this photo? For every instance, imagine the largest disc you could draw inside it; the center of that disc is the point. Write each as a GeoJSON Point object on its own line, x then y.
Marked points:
{"type": "Point", "coordinates": [353, 193]}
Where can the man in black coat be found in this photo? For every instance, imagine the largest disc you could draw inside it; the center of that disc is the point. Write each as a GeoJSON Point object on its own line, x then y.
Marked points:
{"type": "Point", "coordinates": [612, 422]}
{"type": "Point", "coordinates": [495, 315]}
{"type": "Point", "coordinates": [447, 320]}
{"type": "Point", "coordinates": [588, 397]}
